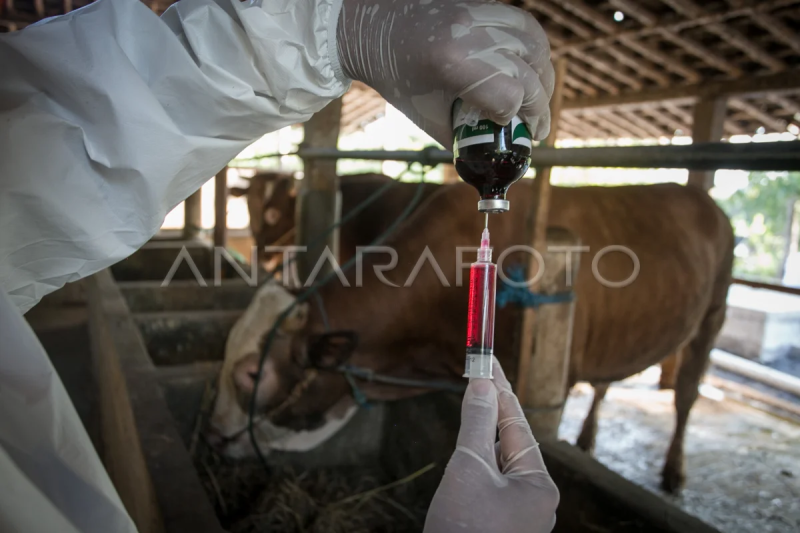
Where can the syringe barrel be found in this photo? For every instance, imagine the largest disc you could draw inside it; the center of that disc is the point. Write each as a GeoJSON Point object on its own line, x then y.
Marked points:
{"type": "Point", "coordinates": [480, 320]}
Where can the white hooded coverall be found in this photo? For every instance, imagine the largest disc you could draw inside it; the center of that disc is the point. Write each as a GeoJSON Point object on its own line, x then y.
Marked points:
{"type": "Point", "coordinates": [109, 117]}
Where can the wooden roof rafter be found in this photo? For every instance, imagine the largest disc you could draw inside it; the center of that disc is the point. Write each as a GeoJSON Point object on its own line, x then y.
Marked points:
{"type": "Point", "coordinates": [754, 111]}
{"type": "Point", "coordinates": [674, 24]}
{"type": "Point", "coordinates": [581, 9]}
{"type": "Point", "coordinates": [691, 10]}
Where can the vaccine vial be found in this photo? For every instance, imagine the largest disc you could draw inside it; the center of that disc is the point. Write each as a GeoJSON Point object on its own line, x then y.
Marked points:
{"type": "Point", "coordinates": [480, 314]}
{"type": "Point", "coordinates": [488, 156]}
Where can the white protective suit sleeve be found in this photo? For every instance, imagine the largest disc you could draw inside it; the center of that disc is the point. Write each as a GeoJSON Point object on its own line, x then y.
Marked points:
{"type": "Point", "coordinates": [51, 479]}
{"type": "Point", "coordinates": [110, 117]}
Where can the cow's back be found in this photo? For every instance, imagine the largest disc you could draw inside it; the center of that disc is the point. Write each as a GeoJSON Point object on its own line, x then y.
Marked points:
{"type": "Point", "coordinates": [683, 242]}
{"type": "Point", "coordinates": [375, 218]}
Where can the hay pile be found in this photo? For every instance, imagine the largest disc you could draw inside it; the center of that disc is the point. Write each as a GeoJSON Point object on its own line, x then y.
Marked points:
{"type": "Point", "coordinates": [249, 499]}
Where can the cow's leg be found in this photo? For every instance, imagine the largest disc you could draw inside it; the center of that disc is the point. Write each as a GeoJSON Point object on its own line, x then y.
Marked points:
{"type": "Point", "coordinates": [669, 371]}
{"type": "Point", "coordinates": [692, 368]}
{"type": "Point", "coordinates": [586, 439]}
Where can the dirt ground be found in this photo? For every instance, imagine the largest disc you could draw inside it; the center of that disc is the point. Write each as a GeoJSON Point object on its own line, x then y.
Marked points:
{"type": "Point", "coordinates": [743, 465]}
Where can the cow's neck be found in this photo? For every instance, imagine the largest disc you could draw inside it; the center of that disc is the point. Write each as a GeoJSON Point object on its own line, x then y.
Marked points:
{"type": "Point", "coordinates": [414, 330]}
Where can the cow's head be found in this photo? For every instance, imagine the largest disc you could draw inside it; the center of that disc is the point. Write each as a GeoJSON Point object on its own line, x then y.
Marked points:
{"type": "Point", "coordinates": [297, 406]}
{"type": "Point", "coordinates": [271, 205]}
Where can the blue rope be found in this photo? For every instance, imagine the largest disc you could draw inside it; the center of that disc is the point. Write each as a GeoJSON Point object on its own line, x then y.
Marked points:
{"type": "Point", "coordinates": [523, 296]}
{"type": "Point", "coordinates": [358, 394]}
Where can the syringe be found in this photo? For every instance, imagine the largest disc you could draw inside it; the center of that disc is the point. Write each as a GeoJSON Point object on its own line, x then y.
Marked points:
{"type": "Point", "coordinates": [480, 316]}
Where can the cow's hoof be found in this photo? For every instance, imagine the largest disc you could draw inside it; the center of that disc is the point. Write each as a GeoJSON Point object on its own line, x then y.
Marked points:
{"type": "Point", "coordinates": [672, 479]}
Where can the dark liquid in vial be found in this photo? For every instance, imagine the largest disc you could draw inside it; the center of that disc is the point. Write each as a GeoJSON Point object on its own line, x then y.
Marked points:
{"type": "Point", "coordinates": [493, 167]}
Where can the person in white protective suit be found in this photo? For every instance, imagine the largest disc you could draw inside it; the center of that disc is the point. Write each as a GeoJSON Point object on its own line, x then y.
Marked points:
{"type": "Point", "coordinates": [110, 116]}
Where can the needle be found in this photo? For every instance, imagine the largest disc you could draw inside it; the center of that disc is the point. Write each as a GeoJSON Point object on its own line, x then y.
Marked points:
{"type": "Point", "coordinates": [487, 220]}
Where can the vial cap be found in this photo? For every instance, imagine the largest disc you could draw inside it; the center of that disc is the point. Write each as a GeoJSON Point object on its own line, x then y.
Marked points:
{"type": "Point", "coordinates": [493, 206]}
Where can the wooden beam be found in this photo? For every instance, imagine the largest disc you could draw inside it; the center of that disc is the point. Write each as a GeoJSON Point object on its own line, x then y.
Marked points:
{"type": "Point", "coordinates": [582, 10]}
{"type": "Point", "coordinates": [750, 85]}
{"type": "Point", "coordinates": [618, 120]}
{"type": "Point", "coordinates": [644, 124]}
{"type": "Point", "coordinates": [608, 125]}
{"type": "Point", "coordinates": [581, 86]}
{"type": "Point", "coordinates": [649, 19]}
{"type": "Point", "coordinates": [790, 106]}
{"type": "Point", "coordinates": [582, 128]}
{"type": "Point", "coordinates": [758, 114]}
{"type": "Point", "coordinates": [221, 208]}
{"type": "Point", "coordinates": [560, 17]}
{"type": "Point", "coordinates": [778, 28]}
{"type": "Point", "coordinates": [319, 202]}
{"type": "Point", "coordinates": [634, 8]}
{"type": "Point", "coordinates": [709, 118]}
{"type": "Point", "coordinates": [547, 386]}
{"type": "Point", "coordinates": [768, 286]}
{"type": "Point", "coordinates": [597, 19]}
{"type": "Point", "coordinates": [676, 25]}
{"type": "Point", "coordinates": [537, 235]}
{"type": "Point", "coordinates": [679, 112]}
{"type": "Point", "coordinates": [730, 35]}
{"type": "Point", "coordinates": [592, 78]}
{"type": "Point", "coordinates": [193, 215]}
{"type": "Point", "coordinates": [661, 58]}
{"type": "Point", "coordinates": [693, 47]}
{"type": "Point", "coordinates": [607, 69]}
{"type": "Point", "coordinates": [570, 130]}
{"type": "Point", "coordinates": [667, 120]}
{"type": "Point", "coordinates": [732, 128]}
{"type": "Point", "coordinates": [639, 66]}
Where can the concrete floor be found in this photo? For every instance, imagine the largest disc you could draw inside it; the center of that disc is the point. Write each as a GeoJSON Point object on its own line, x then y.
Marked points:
{"type": "Point", "coordinates": [743, 465]}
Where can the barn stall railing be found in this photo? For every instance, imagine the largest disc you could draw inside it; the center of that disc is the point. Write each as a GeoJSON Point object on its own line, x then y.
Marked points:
{"type": "Point", "coordinates": [772, 156]}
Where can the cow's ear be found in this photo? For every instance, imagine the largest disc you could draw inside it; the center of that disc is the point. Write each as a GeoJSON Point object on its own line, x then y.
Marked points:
{"type": "Point", "coordinates": [329, 350]}
{"type": "Point", "coordinates": [238, 191]}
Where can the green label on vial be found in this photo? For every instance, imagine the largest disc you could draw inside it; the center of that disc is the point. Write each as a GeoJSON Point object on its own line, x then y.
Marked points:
{"type": "Point", "coordinates": [480, 133]}
{"type": "Point", "coordinates": [520, 133]}
{"type": "Point", "coordinates": [483, 131]}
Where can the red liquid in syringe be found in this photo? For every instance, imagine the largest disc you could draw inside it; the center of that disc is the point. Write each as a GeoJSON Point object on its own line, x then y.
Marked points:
{"type": "Point", "coordinates": [480, 315]}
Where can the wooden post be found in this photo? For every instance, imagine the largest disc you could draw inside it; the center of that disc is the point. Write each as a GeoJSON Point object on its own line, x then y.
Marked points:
{"type": "Point", "coordinates": [547, 384]}
{"type": "Point", "coordinates": [221, 208]}
{"type": "Point", "coordinates": [319, 200]}
{"type": "Point", "coordinates": [708, 122]}
{"type": "Point", "coordinates": [193, 215]}
{"type": "Point", "coordinates": [537, 231]}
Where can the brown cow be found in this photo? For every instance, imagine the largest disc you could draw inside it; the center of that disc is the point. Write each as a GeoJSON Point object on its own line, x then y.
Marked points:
{"type": "Point", "coordinates": [683, 241]}
{"type": "Point", "coordinates": [271, 204]}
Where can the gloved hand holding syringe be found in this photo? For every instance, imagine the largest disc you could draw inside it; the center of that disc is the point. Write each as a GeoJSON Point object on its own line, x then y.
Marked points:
{"type": "Point", "coordinates": [490, 157]}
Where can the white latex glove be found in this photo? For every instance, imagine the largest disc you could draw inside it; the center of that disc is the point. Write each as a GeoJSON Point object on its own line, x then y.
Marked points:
{"type": "Point", "coordinates": [421, 55]}
{"type": "Point", "coordinates": [488, 487]}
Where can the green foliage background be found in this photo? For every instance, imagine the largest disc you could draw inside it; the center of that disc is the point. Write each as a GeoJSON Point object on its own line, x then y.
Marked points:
{"type": "Point", "coordinates": [759, 214]}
